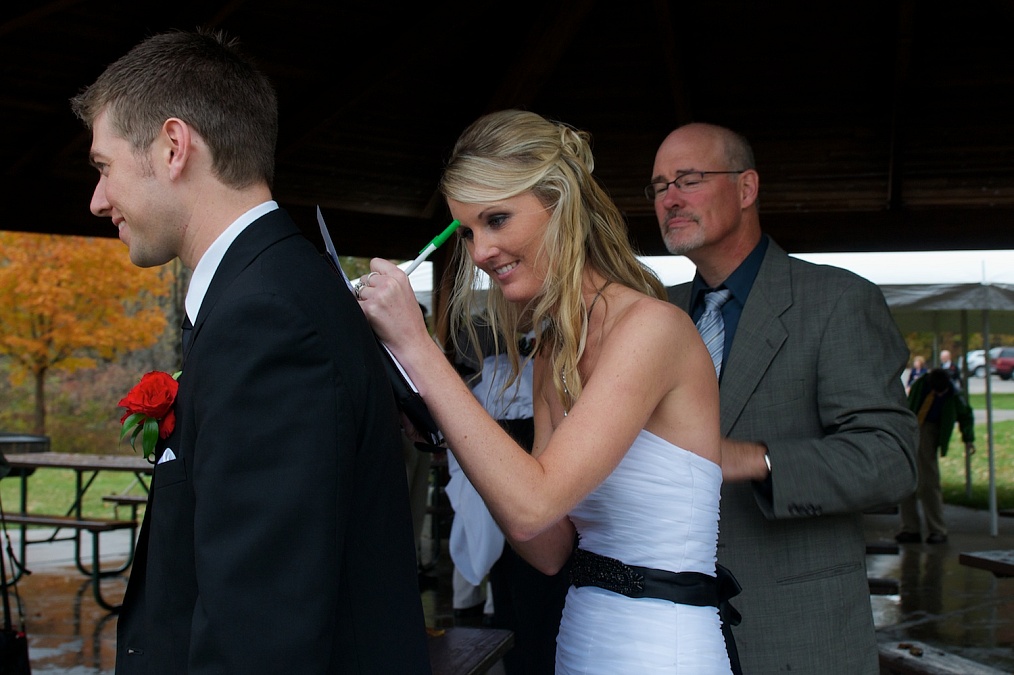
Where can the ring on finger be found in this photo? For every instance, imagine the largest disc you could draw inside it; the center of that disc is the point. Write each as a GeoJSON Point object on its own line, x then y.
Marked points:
{"type": "Point", "coordinates": [370, 276]}
{"type": "Point", "coordinates": [356, 288]}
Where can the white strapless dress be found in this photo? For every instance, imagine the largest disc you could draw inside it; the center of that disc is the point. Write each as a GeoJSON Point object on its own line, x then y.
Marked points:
{"type": "Point", "coordinates": [659, 509]}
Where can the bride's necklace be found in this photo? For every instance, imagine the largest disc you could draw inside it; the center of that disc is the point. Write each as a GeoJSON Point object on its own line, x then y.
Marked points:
{"type": "Point", "coordinates": [563, 375]}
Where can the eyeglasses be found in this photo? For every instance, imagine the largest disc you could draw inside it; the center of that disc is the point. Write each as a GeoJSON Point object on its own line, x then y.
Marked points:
{"type": "Point", "coordinates": [688, 182]}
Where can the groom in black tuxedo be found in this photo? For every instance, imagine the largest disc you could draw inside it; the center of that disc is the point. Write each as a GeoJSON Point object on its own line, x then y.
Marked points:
{"type": "Point", "coordinates": [277, 537]}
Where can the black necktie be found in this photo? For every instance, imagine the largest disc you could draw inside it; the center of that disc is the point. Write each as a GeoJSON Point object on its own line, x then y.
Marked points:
{"type": "Point", "coordinates": [188, 331]}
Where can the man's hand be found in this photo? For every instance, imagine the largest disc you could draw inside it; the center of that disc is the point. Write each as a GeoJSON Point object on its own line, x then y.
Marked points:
{"type": "Point", "coordinates": [743, 460]}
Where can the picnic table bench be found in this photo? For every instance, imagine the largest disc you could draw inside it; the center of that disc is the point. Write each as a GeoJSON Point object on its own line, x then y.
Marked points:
{"type": "Point", "coordinates": [133, 501]}
{"type": "Point", "coordinates": [1000, 563]}
{"type": "Point", "coordinates": [879, 585]}
{"type": "Point", "coordinates": [909, 657]}
{"type": "Point", "coordinates": [461, 650]}
{"type": "Point", "coordinates": [93, 525]}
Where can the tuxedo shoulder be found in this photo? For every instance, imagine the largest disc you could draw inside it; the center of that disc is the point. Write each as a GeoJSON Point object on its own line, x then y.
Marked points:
{"type": "Point", "coordinates": [296, 262]}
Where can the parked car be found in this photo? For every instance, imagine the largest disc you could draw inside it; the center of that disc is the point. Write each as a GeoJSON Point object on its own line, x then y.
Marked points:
{"type": "Point", "coordinates": [976, 361]}
{"type": "Point", "coordinates": [1004, 362]}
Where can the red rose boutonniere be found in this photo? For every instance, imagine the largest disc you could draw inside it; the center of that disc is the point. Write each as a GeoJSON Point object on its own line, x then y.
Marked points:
{"type": "Point", "coordinates": [150, 410]}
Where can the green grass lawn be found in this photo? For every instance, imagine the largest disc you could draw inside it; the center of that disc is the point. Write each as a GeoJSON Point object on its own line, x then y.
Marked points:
{"type": "Point", "coordinates": [953, 471]}
{"type": "Point", "coordinates": [1000, 401]}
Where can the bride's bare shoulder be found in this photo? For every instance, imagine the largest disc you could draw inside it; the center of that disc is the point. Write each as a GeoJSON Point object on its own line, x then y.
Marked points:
{"type": "Point", "coordinates": [651, 310]}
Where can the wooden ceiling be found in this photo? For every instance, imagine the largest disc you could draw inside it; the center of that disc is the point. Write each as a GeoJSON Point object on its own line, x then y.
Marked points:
{"type": "Point", "coordinates": [877, 124]}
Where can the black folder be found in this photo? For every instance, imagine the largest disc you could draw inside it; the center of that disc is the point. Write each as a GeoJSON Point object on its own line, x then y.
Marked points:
{"type": "Point", "coordinates": [405, 393]}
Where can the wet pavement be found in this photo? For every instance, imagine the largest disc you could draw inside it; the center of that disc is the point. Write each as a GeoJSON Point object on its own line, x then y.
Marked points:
{"type": "Point", "coordinates": [70, 634]}
{"type": "Point", "coordinates": [963, 610]}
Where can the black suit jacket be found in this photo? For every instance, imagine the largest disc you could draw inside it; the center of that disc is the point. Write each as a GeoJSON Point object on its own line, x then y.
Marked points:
{"type": "Point", "coordinates": [279, 540]}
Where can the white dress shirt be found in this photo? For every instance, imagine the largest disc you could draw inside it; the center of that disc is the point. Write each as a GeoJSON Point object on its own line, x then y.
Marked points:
{"type": "Point", "coordinates": [206, 267]}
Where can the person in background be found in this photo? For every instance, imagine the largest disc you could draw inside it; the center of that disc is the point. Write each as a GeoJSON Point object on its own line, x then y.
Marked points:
{"type": "Point", "coordinates": [917, 370]}
{"type": "Point", "coordinates": [524, 600]}
{"type": "Point", "coordinates": [476, 542]}
{"type": "Point", "coordinates": [625, 461]}
{"type": "Point", "coordinates": [938, 406]}
{"type": "Point", "coordinates": [813, 411]}
{"type": "Point", "coordinates": [277, 535]}
{"type": "Point", "coordinates": [951, 368]}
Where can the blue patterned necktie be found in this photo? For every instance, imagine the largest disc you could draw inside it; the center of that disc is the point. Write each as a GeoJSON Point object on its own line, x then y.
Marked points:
{"type": "Point", "coordinates": [711, 326]}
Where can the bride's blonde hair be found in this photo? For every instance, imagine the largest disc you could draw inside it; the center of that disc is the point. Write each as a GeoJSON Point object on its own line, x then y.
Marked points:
{"type": "Point", "coordinates": [511, 152]}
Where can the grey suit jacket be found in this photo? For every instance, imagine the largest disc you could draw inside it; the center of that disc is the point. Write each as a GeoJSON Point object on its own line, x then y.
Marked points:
{"type": "Point", "coordinates": [814, 373]}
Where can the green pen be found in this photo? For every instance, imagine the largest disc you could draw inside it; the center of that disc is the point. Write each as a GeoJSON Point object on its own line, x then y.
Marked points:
{"type": "Point", "coordinates": [432, 246]}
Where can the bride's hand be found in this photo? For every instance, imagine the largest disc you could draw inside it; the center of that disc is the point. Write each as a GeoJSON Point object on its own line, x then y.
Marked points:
{"type": "Point", "coordinates": [390, 305]}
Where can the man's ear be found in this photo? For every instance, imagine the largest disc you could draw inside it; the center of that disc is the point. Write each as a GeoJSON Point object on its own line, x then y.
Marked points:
{"type": "Point", "coordinates": [749, 188]}
{"type": "Point", "coordinates": [177, 146]}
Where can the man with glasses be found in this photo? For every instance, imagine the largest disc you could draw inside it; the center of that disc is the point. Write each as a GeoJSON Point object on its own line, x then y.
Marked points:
{"type": "Point", "coordinates": [814, 420]}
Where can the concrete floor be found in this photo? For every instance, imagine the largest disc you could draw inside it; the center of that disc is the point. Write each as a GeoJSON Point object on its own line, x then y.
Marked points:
{"type": "Point", "coordinates": [70, 634]}
{"type": "Point", "coordinates": [963, 610]}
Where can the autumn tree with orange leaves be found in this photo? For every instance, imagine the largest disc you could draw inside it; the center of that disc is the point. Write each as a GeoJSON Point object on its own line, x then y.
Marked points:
{"type": "Point", "coordinates": [68, 302]}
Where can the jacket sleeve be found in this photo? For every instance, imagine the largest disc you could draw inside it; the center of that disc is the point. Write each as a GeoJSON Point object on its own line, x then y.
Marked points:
{"type": "Point", "coordinates": [851, 445]}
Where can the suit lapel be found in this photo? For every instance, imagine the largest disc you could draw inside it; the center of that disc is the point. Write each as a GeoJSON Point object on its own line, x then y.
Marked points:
{"type": "Point", "coordinates": [760, 334]}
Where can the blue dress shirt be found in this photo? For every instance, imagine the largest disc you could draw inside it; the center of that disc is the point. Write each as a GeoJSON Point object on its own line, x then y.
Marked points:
{"type": "Point", "coordinates": [739, 282]}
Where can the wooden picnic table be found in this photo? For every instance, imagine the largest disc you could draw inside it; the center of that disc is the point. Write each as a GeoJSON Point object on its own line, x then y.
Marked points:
{"type": "Point", "coordinates": [80, 462]}
{"type": "Point", "coordinates": [999, 562]}
{"type": "Point", "coordinates": [462, 650]}
{"type": "Point", "coordinates": [86, 468]}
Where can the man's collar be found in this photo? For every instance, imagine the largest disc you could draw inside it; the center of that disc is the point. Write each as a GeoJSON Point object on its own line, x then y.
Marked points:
{"type": "Point", "coordinates": [740, 281]}
{"type": "Point", "coordinates": [206, 267]}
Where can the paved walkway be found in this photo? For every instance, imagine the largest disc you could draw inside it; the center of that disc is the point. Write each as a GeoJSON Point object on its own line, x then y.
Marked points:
{"type": "Point", "coordinates": [68, 632]}
{"type": "Point", "coordinates": [977, 385]}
